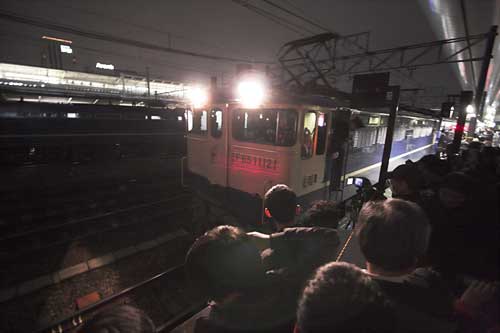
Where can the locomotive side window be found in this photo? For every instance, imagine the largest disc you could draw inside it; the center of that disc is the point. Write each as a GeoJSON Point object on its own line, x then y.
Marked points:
{"type": "Point", "coordinates": [308, 134]}
{"type": "Point", "coordinates": [216, 123]}
{"type": "Point", "coordinates": [189, 120]}
{"type": "Point", "coordinates": [197, 122]}
{"type": "Point", "coordinates": [287, 124]}
{"type": "Point", "coordinates": [265, 126]}
{"type": "Point", "coordinates": [322, 133]}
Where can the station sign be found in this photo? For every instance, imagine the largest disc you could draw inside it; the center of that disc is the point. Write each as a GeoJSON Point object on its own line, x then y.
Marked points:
{"type": "Point", "coordinates": [105, 66]}
{"type": "Point", "coordinates": [66, 49]}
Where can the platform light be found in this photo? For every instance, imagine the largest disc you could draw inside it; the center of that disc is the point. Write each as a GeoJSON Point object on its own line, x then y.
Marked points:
{"type": "Point", "coordinates": [490, 113]}
{"type": "Point", "coordinates": [251, 93]}
{"type": "Point", "coordinates": [469, 109]}
{"type": "Point", "coordinates": [55, 39]}
{"type": "Point", "coordinates": [198, 97]}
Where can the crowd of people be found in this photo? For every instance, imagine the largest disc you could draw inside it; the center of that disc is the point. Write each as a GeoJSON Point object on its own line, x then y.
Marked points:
{"type": "Point", "coordinates": [430, 251]}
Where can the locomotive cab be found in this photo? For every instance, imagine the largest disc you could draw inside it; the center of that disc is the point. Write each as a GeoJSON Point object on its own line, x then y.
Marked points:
{"type": "Point", "coordinates": [309, 143]}
{"type": "Point", "coordinates": [248, 150]}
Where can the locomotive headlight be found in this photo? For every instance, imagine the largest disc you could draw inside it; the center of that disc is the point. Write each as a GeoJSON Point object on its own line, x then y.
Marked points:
{"type": "Point", "coordinates": [198, 97]}
{"type": "Point", "coordinates": [251, 93]}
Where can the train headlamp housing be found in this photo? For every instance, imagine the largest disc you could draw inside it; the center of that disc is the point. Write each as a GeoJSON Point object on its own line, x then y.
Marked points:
{"type": "Point", "coordinates": [251, 92]}
{"type": "Point", "coordinates": [198, 97]}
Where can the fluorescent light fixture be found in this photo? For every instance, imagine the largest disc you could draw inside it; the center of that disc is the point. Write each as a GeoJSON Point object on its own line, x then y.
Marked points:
{"type": "Point", "coordinates": [55, 39]}
{"type": "Point", "coordinates": [66, 49]}
{"type": "Point", "coordinates": [105, 66]}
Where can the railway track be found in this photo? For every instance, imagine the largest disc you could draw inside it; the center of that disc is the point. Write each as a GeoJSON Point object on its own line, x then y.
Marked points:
{"type": "Point", "coordinates": [45, 237]}
{"type": "Point", "coordinates": [169, 302]}
{"type": "Point", "coordinates": [20, 213]}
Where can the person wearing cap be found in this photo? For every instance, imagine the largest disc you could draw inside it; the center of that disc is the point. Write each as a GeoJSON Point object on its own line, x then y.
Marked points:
{"type": "Point", "coordinates": [406, 182]}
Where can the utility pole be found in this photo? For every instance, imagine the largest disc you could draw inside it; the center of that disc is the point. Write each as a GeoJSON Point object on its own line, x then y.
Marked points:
{"type": "Point", "coordinates": [394, 90]}
{"type": "Point", "coordinates": [465, 100]}
{"type": "Point", "coordinates": [147, 79]}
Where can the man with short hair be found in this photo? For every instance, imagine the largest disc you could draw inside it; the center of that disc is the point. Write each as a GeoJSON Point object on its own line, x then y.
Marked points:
{"type": "Point", "coordinates": [393, 234]}
{"type": "Point", "coordinates": [341, 298]}
{"type": "Point", "coordinates": [280, 205]}
{"type": "Point", "coordinates": [298, 251]}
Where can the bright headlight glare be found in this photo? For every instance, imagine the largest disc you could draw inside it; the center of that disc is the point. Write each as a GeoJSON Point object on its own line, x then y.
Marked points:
{"type": "Point", "coordinates": [198, 97]}
{"type": "Point", "coordinates": [251, 93]}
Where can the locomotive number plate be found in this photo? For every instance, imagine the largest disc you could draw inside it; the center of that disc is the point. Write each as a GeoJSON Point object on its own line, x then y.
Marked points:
{"type": "Point", "coordinates": [253, 161]}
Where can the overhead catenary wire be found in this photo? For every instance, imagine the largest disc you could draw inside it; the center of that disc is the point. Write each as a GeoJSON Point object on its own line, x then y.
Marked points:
{"type": "Point", "coordinates": [115, 39]}
{"type": "Point", "coordinates": [326, 29]}
{"type": "Point", "coordinates": [303, 18]}
{"type": "Point", "coordinates": [130, 23]}
{"type": "Point", "coordinates": [273, 17]}
{"type": "Point", "coordinates": [171, 65]}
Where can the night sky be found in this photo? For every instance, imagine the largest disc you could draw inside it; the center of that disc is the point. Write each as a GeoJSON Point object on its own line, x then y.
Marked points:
{"type": "Point", "coordinates": [223, 28]}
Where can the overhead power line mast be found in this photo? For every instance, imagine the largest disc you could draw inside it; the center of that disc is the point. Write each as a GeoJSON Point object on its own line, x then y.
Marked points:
{"type": "Point", "coordinates": [322, 58]}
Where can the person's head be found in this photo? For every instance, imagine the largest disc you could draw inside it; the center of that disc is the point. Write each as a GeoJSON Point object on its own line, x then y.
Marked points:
{"type": "Point", "coordinates": [393, 235]}
{"type": "Point", "coordinates": [119, 319]}
{"type": "Point", "coordinates": [280, 203]}
{"type": "Point", "coordinates": [341, 298]}
{"type": "Point", "coordinates": [455, 190]}
{"type": "Point", "coordinates": [405, 179]}
{"type": "Point", "coordinates": [224, 262]}
{"type": "Point", "coordinates": [324, 213]}
{"type": "Point", "coordinates": [432, 168]}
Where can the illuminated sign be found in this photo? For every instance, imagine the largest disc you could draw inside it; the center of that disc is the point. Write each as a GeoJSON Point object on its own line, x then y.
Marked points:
{"type": "Point", "coordinates": [374, 121]}
{"type": "Point", "coordinates": [66, 49]}
{"type": "Point", "coordinates": [105, 66]}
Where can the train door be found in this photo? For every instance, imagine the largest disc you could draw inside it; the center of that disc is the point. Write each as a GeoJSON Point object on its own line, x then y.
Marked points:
{"type": "Point", "coordinates": [198, 142]}
{"type": "Point", "coordinates": [338, 146]}
{"type": "Point", "coordinates": [217, 147]}
{"type": "Point", "coordinates": [313, 138]}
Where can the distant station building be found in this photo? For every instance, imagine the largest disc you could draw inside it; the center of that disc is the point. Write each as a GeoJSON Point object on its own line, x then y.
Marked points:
{"type": "Point", "coordinates": [38, 84]}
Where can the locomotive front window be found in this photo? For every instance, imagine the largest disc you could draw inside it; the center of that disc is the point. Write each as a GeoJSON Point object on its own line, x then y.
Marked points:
{"type": "Point", "coordinates": [308, 134]}
{"type": "Point", "coordinates": [265, 126]}
{"type": "Point", "coordinates": [197, 121]}
{"type": "Point", "coordinates": [216, 123]}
